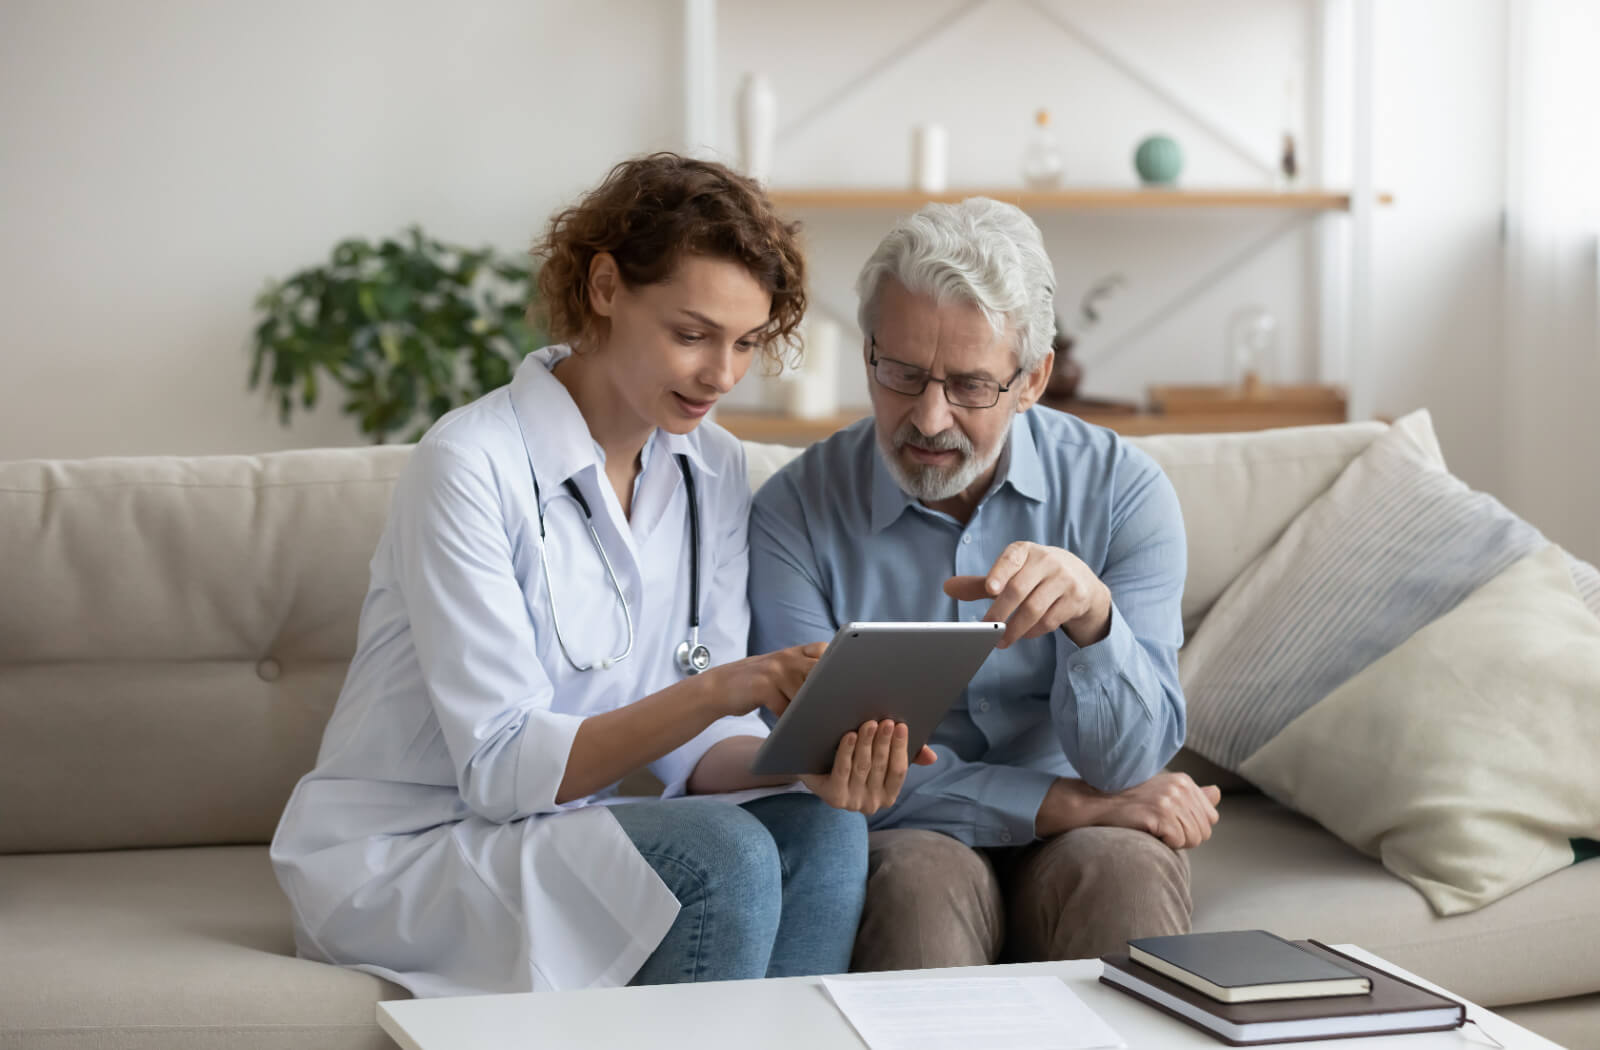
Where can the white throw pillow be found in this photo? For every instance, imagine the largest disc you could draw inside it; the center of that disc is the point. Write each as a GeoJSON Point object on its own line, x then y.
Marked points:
{"type": "Point", "coordinates": [1465, 758]}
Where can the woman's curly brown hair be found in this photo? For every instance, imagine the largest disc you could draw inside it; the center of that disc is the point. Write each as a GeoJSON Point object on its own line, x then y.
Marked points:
{"type": "Point", "coordinates": [648, 213]}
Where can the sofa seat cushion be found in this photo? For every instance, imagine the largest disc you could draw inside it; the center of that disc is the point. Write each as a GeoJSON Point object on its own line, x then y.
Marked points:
{"type": "Point", "coordinates": [164, 950]}
{"type": "Point", "coordinates": [1267, 867]}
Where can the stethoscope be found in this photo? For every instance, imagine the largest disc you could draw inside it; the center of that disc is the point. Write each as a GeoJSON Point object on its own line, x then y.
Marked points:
{"type": "Point", "coordinates": [692, 656]}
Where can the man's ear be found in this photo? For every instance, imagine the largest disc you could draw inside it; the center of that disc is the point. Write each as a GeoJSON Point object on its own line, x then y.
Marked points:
{"type": "Point", "coordinates": [604, 282]}
{"type": "Point", "coordinates": [1034, 382]}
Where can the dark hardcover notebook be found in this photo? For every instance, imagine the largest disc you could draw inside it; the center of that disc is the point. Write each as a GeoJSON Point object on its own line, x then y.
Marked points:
{"type": "Point", "coordinates": [1394, 1006]}
{"type": "Point", "coordinates": [1244, 966]}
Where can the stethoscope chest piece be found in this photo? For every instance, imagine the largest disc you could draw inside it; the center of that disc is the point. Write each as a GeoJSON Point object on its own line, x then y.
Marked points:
{"type": "Point", "coordinates": [693, 657]}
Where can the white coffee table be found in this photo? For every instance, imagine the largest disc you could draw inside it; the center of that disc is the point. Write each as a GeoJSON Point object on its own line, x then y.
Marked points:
{"type": "Point", "coordinates": [795, 1013]}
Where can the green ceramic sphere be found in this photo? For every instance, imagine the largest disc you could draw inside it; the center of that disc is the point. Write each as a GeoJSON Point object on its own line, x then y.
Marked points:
{"type": "Point", "coordinates": [1158, 161]}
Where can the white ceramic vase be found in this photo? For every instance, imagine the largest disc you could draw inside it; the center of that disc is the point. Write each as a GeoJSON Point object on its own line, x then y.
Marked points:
{"type": "Point", "coordinates": [758, 126]}
{"type": "Point", "coordinates": [930, 152]}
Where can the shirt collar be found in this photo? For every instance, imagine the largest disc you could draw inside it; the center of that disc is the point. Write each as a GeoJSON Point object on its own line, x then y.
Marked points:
{"type": "Point", "coordinates": [1019, 467]}
{"type": "Point", "coordinates": [1025, 472]}
{"type": "Point", "coordinates": [552, 425]}
{"type": "Point", "coordinates": [889, 500]}
{"type": "Point", "coordinates": [687, 445]}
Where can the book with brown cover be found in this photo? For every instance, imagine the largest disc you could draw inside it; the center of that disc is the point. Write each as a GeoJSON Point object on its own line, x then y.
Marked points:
{"type": "Point", "coordinates": [1394, 1006]}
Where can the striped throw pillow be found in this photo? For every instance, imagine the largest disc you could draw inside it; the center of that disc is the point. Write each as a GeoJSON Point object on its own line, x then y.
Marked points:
{"type": "Point", "coordinates": [1395, 543]}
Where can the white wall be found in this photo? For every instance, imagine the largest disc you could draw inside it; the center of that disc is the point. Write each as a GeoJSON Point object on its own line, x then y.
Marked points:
{"type": "Point", "coordinates": [161, 160]}
{"type": "Point", "coordinates": [1439, 144]}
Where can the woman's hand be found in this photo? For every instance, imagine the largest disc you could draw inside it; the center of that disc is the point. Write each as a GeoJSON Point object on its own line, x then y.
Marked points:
{"type": "Point", "coordinates": [868, 769]}
{"type": "Point", "coordinates": [769, 681]}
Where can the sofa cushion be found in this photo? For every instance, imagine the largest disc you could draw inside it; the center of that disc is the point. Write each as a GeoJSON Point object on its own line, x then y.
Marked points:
{"type": "Point", "coordinates": [185, 628]}
{"type": "Point", "coordinates": [1464, 759]}
{"type": "Point", "coordinates": [1240, 491]}
{"type": "Point", "coordinates": [167, 949]}
{"type": "Point", "coordinates": [1267, 867]}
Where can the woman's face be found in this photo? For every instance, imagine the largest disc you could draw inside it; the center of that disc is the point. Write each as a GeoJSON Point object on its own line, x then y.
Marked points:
{"type": "Point", "coordinates": [674, 348]}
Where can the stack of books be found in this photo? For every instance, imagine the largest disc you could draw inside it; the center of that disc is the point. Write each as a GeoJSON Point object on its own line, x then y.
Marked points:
{"type": "Point", "coordinates": [1249, 986]}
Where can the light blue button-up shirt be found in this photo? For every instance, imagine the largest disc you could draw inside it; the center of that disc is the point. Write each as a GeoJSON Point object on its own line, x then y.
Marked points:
{"type": "Point", "coordinates": [833, 539]}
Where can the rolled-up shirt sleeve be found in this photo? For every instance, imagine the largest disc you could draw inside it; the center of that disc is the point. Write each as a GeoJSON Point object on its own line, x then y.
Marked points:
{"type": "Point", "coordinates": [724, 618]}
{"type": "Point", "coordinates": [1116, 705]}
{"type": "Point", "coordinates": [474, 638]}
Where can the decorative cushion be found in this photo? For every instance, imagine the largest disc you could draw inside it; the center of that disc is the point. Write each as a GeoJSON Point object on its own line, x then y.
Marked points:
{"type": "Point", "coordinates": [1464, 759]}
{"type": "Point", "coordinates": [1393, 544]}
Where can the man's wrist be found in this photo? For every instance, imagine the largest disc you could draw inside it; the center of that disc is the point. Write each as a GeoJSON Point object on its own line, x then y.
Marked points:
{"type": "Point", "coordinates": [1069, 804]}
{"type": "Point", "coordinates": [1094, 625]}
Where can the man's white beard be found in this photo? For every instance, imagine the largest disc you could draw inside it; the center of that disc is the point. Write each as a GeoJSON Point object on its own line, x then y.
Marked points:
{"type": "Point", "coordinates": [929, 483]}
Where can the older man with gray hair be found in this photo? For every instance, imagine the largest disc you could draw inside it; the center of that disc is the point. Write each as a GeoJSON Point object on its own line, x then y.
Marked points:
{"type": "Point", "coordinates": [1046, 828]}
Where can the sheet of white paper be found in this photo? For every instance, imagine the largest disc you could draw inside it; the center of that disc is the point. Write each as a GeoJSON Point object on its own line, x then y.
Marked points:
{"type": "Point", "coordinates": [958, 1013]}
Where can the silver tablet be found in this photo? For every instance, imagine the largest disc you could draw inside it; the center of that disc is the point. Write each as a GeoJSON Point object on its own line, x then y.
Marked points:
{"type": "Point", "coordinates": [910, 672]}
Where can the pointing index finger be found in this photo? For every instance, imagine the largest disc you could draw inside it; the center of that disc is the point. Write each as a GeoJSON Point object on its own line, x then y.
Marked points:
{"type": "Point", "coordinates": [966, 588]}
{"type": "Point", "coordinates": [1010, 562]}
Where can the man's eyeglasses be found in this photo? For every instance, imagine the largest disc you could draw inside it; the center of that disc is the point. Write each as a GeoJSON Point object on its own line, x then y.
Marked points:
{"type": "Point", "coordinates": [961, 391]}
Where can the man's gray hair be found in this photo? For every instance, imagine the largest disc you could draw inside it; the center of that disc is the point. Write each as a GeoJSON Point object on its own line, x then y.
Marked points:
{"type": "Point", "coordinates": [981, 252]}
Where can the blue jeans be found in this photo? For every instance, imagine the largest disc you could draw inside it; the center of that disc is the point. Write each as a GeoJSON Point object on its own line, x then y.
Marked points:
{"type": "Point", "coordinates": [772, 888]}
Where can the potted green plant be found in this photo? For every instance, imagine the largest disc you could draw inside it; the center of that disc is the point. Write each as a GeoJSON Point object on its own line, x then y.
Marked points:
{"type": "Point", "coordinates": [409, 328]}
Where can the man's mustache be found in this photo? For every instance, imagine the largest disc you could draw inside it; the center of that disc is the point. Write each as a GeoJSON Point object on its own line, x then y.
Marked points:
{"type": "Point", "coordinates": [948, 439]}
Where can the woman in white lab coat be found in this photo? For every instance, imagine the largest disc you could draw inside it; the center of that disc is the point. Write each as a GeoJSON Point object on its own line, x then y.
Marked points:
{"type": "Point", "coordinates": [556, 555]}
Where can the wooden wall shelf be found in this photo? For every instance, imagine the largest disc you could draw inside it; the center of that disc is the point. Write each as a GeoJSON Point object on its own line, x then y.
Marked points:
{"type": "Point", "coordinates": [1283, 407]}
{"type": "Point", "coordinates": [1081, 199]}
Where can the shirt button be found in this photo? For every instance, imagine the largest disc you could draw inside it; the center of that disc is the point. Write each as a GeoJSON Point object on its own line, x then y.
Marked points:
{"type": "Point", "coordinates": [967, 538]}
{"type": "Point", "coordinates": [269, 670]}
{"type": "Point", "coordinates": [983, 704]}
{"type": "Point", "coordinates": [1005, 836]}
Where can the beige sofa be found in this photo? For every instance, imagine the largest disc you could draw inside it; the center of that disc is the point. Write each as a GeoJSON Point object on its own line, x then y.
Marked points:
{"type": "Point", "coordinates": [173, 633]}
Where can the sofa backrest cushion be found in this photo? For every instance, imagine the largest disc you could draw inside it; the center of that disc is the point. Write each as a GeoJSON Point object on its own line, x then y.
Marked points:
{"type": "Point", "coordinates": [173, 634]}
{"type": "Point", "coordinates": [174, 631]}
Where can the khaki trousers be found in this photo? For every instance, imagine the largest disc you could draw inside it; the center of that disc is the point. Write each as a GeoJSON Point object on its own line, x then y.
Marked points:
{"type": "Point", "coordinates": [932, 901]}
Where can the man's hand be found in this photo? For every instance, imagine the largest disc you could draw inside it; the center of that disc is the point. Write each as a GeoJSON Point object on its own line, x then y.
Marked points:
{"type": "Point", "coordinates": [1037, 589]}
{"type": "Point", "coordinates": [1170, 806]}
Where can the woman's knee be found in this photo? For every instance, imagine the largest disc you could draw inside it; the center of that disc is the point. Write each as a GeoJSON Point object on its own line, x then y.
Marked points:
{"type": "Point", "coordinates": [814, 839]}
{"type": "Point", "coordinates": [706, 849]}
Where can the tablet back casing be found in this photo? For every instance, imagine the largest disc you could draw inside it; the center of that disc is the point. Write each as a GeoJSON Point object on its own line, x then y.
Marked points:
{"type": "Point", "coordinates": [910, 672]}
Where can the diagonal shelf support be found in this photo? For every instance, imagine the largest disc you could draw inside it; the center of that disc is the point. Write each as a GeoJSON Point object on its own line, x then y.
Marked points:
{"type": "Point", "coordinates": [1207, 281]}
{"type": "Point", "coordinates": [1175, 99]}
{"type": "Point", "coordinates": [879, 68]}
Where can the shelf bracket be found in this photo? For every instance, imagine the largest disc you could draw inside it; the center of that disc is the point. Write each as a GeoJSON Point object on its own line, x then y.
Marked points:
{"type": "Point", "coordinates": [1230, 141]}
{"type": "Point", "coordinates": [1210, 279]}
{"type": "Point", "coordinates": [879, 68]}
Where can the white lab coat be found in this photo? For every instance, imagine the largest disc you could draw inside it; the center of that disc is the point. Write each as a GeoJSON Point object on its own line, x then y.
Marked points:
{"type": "Point", "coordinates": [426, 846]}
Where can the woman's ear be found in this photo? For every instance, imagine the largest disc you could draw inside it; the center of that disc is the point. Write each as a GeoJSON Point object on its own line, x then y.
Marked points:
{"type": "Point", "coordinates": [604, 281]}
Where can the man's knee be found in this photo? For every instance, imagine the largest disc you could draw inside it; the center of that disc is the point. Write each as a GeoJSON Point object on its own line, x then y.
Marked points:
{"type": "Point", "coordinates": [911, 858]}
{"type": "Point", "coordinates": [931, 901]}
{"type": "Point", "coordinates": [1089, 891]}
{"type": "Point", "coordinates": [1119, 863]}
